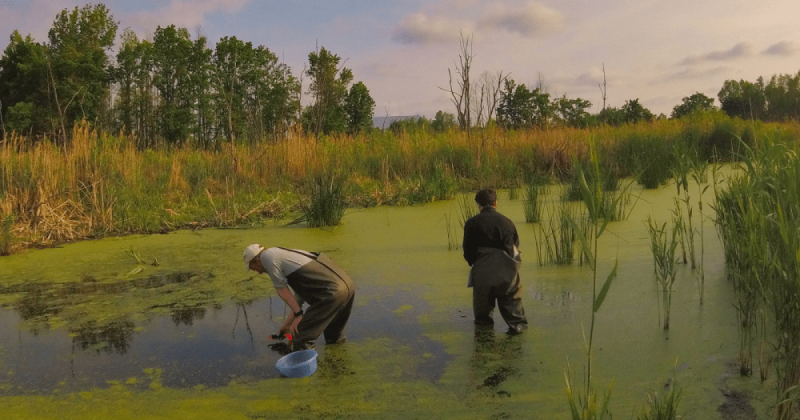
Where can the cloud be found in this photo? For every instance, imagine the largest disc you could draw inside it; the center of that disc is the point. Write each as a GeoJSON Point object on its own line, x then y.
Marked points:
{"type": "Point", "coordinates": [783, 48]}
{"type": "Point", "coordinates": [34, 17]}
{"type": "Point", "coordinates": [443, 21]}
{"type": "Point", "coordinates": [689, 74]}
{"type": "Point", "coordinates": [532, 20]}
{"type": "Point", "coordinates": [185, 13]}
{"type": "Point", "coordinates": [419, 28]}
{"type": "Point", "coordinates": [742, 49]}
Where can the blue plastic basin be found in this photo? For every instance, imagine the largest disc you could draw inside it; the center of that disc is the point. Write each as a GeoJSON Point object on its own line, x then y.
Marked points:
{"type": "Point", "coordinates": [298, 364]}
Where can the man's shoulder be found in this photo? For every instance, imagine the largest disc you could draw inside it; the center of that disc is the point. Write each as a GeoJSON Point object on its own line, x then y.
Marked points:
{"type": "Point", "coordinates": [504, 218]}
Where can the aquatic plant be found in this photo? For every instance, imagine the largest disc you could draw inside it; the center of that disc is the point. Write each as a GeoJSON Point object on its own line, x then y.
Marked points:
{"type": "Point", "coordinates": [648, 158]}
{"type": "Point", "coordinates": [662, 406]}
{"type": "Point", "coordinates": [513, 189]}
{"type": "Point", "coordinates": [623, 207]}
{"type": "Point", "coordinates": [7, 237]}
{"type": "Point", "coordinates": [699, 176]}
{"type": "Point", "coordinates": [532, 204]}
{"type": "Point", "coordinates": [663, 246]}
{"type": "Point", "coordinates": [97, 184]}
{"type": "Point", "coordinates": [453, 239]}
{"type": "Point", "coordinates": [467, 208]}
{"type": "Point", "coordinates": [584, 406]}
{"type": "Point", "coordinates": [326, 203]}
{"type": "Point", "coordinates": [554, 235]}
{"type": "Point", "coordinates": [690, 166]}
{"type": "Point", "coordinates": [758, 216]}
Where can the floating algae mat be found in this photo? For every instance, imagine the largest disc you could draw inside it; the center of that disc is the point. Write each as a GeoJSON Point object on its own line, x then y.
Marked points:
{"type": "Point", "coordinates": [168, 326]}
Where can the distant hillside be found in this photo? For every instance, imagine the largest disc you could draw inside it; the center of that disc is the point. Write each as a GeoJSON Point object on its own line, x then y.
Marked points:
{"type": "Point", "coordinates": [385, 121]}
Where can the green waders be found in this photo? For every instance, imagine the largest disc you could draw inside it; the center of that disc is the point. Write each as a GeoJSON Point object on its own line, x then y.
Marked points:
{"type": "Point", "coordinates": [495, 277]}
{"type": "Point", "coordinates": [329, 292]}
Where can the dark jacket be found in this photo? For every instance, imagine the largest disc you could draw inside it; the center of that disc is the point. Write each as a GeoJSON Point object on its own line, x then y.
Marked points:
{"type": "Point", "coordinates": [489, 229]}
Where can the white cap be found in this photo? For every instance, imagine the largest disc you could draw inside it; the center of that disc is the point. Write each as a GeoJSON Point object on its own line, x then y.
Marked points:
{"type": "Point", "coordinates": [249, 253]}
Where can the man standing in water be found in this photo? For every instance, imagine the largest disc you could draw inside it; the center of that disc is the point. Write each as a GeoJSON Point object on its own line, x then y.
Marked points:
{"type": "Point", "coordinates": [317, 280]}
{"type": "Point", "coordinates": [491, 249]}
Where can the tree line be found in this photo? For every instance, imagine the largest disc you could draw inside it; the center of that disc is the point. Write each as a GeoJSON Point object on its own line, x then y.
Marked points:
{"type": "Point", "coordinates": [170, 89]}
{"type": "Point", "coordinates": [498, 99]}
{"type": "Point", "coordinates": [174, 88]}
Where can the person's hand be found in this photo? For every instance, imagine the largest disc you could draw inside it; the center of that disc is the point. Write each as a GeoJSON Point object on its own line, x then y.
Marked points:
{"type": "Point", "coordinates": [295, 323]}
{"type": "Point", "coordinates": [284, 329]}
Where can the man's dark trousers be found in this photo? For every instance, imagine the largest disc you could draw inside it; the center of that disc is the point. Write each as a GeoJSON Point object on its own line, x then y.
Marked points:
{"type": "Point", "coordinates": [495, 276]}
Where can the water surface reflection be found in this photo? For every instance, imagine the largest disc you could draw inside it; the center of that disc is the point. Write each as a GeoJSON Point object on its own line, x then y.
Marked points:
{"type": "Point", "coordinates": [172, 330]}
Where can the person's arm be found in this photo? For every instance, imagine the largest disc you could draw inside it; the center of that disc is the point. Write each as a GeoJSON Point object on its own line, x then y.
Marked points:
{"type": "Point", "coordinates": [468, 245]}
{"type": "Point", "coordinates": [291, 322]}
{"type": "Point", "coordinates": [510, 237]}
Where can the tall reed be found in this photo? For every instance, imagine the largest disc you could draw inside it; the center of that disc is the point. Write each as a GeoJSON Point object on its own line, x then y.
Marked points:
{"type": "Point", "coordinates": [7, 237]}
{"type": "Point", "coordinates": [326, 203]}
{"type": "Point", "coordinates": [467, 208]}
{"type": "Point", "coordinates": [700, 177]}
{"type": "Point", "coordinates": [583, 406]}
{"type": "Point", "coordinates": [759, 220]}
{"type": "Point", "coordinates": [554, 235]}
{"type": "Point", "coordinates": [532, 204]}
{"type": "Point", "coordinates": [663, 246]}
{"type": "Point", "coordinates": [99, 184]}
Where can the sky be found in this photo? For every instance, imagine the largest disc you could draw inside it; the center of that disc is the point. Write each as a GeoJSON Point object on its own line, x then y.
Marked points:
{"type": "Point", "coordinates": [656, 51]}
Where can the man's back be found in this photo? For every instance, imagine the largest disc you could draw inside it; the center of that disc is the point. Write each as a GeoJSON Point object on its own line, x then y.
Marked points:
{"type": "Point", "coordinates": [489, 229]}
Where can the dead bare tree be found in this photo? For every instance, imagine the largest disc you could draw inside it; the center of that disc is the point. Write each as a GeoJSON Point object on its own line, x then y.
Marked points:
{"type": "Point", "coordinates": [603, 86]}
{"type": "Point", "coordinates": [460, 96]}
{"type": "Point", "coordinates": [478, 101]}
{"type": "Point", "coordinates": [485, 96]}
{"type": "Point", "coordinates": [492, 84]}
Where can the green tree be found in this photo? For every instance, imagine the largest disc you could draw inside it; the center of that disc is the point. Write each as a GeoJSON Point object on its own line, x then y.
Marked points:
{"type": "Point", "coordinates": [272, 95]}
{"type": "Point", "coordinates": [411, 125]}
{"type": "Point", "coordinates": [782, 94]}
{"type": "Point", "coordinates": [443, 121]}
{"type": "Point", "coordinates": [171, 51]}
{"type": "Point", "coordinates": [328, 88]}
{"type": "Point", "coordinates": [523, 108]}
{"type": "Point", "coordinates": [256, 95]}
{"type": "Point", "coordinates": [612, 116]}
{"type": "Point", "coordinates": [200, 91]}
{"type": "Point", "coordinates": [694, 103]}
{"type": "Point", "coordinates": [572, 112]}
{"type": "Point", "coordinates": [78, 67]}
{"type": "Point", "coordinates": [634, 112]}
{"type": "Point", "coordinates": [743, 99]}
{"type": "Point", "coordinates": [231, 60]}
{"type": "Point", "coordinates": [359, 106]}
{"type": "Point", "coordinates": [23, 86]}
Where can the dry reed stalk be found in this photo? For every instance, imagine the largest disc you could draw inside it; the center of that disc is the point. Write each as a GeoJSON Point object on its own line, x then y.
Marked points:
{"type": "Point", "coordinates": [301, 154]}
{"type": "Point", "coordinates": [177, 187]}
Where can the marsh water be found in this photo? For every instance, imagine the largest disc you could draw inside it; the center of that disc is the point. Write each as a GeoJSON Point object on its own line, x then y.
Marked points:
{"type": "Point", "coordinates": [170, 326]}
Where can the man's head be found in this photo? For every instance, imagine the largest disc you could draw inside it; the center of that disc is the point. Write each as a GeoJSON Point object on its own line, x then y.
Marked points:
{"type": "Point", "coordinates": [251, 260]}
{"type": "Point", "coordinates": [486, 198]}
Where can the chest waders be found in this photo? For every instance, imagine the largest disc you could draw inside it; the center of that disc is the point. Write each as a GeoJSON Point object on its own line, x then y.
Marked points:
{"type": "Point", "coordinates": [329, 292]}
{"type": "Point", "coordinates": [495, 277]}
